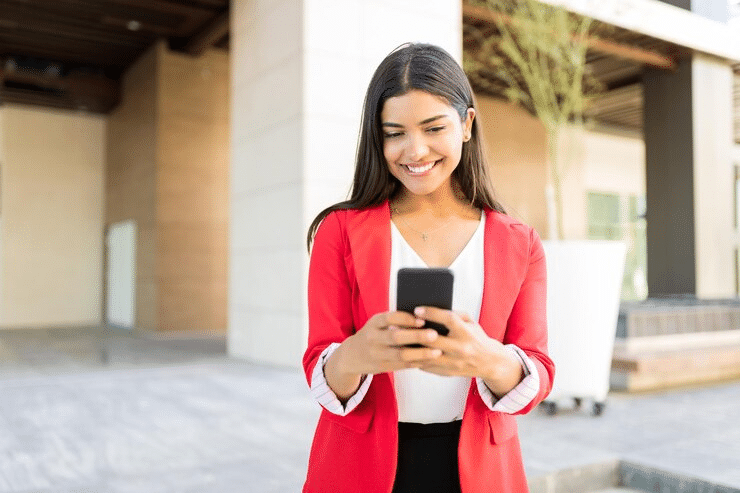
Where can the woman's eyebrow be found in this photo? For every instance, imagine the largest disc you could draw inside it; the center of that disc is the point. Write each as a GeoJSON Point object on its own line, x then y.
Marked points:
{"type": "Point", "coordinates": [430, 120]}
{"type": "Point", "coordinates": [423, 122]}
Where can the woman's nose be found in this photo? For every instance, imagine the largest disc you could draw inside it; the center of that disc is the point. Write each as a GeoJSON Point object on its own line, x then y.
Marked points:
{"type": "Point", "coordinates": [417, 148]}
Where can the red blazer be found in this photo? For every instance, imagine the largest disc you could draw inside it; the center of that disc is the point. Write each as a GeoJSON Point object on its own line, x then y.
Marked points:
{"type": "Point", "coordinates": [348, 283]}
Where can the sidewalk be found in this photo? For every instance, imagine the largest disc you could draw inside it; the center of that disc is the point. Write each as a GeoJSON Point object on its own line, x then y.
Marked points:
{"type": "Point", "coordinates": [212, 424]}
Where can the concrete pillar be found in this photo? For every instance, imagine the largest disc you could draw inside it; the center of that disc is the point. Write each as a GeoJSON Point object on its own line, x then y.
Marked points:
{"type": "Point", "coordinates": [299, 72]}
{"type": "Point", "coordinates": [669, 181]}
{"type": "Point", "coordinates": [713, 178]}
{"type": "Point", "coordinates": [689, 175]}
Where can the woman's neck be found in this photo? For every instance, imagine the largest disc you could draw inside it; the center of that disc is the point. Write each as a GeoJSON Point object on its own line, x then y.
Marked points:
{"type": "Point", "coordinates": [442, 202]}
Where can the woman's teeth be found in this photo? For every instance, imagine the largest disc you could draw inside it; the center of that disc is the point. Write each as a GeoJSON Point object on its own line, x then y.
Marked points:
{"type": "Point", "coordinates": [420, 169]}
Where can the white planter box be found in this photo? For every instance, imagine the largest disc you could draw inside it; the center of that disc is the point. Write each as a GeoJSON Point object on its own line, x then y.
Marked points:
{"type": "Point", "coordinates": [584, 280]}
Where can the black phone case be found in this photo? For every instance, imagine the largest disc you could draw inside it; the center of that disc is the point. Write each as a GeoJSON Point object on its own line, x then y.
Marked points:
{"type": "Point", "coordinates": [425, 287]}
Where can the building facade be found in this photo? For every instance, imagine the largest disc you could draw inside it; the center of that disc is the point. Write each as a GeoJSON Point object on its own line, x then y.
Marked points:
{"type": "Point", "coordinates": [223, 160]}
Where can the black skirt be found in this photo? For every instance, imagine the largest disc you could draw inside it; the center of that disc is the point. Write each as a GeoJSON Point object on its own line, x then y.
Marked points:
{"type": "Point", "coordinates": [427, 458]}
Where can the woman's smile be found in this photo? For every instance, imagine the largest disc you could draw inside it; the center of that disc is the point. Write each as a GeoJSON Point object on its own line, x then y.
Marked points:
{"type": "Point", "coordinates": [420, 169]}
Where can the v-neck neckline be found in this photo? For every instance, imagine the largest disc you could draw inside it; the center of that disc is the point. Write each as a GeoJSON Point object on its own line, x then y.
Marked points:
{"type": "Point", "coordinates": [464, 249]}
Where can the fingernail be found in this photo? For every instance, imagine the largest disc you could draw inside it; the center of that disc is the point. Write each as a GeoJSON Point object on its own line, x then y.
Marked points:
{"type": "Point", "coordinates": [431, 335]}
{"type": "Point", "coordinates": [392, 327]}
{"type": "Point", "coordinates": [419, 322]}
{"type": "Point", "coordinates": [419, 311]}
{"type": "Point", "coordinates": [436, 353]}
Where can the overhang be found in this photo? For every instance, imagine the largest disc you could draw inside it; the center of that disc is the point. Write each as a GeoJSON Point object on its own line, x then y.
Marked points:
{"type": "Point", "coordinates": [71, 54]}
{"type": "Point", "coordinates": [628, 37]}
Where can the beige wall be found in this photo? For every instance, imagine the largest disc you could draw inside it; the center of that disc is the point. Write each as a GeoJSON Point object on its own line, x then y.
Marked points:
{"type": "Point", "coordinates": [2, 181]}
{"type": "Point", "coordinates": [516, 150]}
{"type": "Point", "coordinates": [192, 190]}
{"type": "Point", "coordinates": [131, 177]}
{"type": "Point", "coordinates": [168, 170]}
{"type": "Point", "coordinates": [515, 147]}
{"type": "Point", "coordinates": [52, 217]}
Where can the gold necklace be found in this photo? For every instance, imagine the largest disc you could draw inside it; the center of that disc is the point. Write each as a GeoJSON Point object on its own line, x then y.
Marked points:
{"type": "Point", "coordinates": [424, 235]}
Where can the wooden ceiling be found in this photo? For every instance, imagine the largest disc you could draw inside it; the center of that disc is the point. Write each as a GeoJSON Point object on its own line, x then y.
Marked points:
{"type": "Point", "coordinates": [71, 53]}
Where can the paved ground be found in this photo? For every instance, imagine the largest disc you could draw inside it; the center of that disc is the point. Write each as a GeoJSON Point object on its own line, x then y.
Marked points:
{"type": "Point", "coordinates": [197, 421]}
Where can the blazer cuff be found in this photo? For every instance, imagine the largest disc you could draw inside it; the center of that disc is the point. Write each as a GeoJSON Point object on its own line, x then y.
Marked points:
{"type": "Point", "coordinates": [325, 396]}
{"type": "Point", "coordinates": [521, 395]}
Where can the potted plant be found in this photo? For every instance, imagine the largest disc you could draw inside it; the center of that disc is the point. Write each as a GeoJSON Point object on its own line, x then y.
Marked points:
{"type": "Point", "coordinates": [537, 58]}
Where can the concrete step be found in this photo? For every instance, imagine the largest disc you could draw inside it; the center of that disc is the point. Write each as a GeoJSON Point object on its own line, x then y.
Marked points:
{"type": "Point", "coordinates": [635, 371]}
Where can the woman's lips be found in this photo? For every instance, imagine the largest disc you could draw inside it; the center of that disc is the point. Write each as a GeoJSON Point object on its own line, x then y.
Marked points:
{"type": "Point", "coordinates": [417, 170]}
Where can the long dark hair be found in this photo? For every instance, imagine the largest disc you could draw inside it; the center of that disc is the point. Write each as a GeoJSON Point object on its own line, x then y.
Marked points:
{"type": "Point", "coordinates": [427, 68]}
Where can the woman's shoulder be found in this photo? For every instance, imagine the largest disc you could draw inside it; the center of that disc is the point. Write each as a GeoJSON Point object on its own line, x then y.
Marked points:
{"type": "Point", "coordinates": [504, 220]}
{"type": "Point", "coordinates": [346, 215]}
{"type": "Point", "coordinates": [510, 227]}
{"type": "Point", "coordinates": [344, 218]}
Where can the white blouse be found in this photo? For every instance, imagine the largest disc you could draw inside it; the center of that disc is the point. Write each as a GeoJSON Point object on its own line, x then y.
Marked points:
{"type": "Point", "coordinates": [424, 397]}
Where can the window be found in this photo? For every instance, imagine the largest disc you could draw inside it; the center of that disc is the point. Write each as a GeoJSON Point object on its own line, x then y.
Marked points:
{"type": "Point", "coordinates": [604, 217]}
{"type": "Point", "coordinates": [615, 217]}
{"type": "Point", "coordinates": [634, 286]}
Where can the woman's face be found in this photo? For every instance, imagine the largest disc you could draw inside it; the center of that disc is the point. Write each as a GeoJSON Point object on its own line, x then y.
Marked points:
{"type": "Point", "coordinates": [422, 140]}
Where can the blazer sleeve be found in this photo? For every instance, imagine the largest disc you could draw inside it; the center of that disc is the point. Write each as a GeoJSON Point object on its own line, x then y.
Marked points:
{"type": "Point", "coordinates": [527, 324]}
{"type": "Point", "coordinates": [329, 292]}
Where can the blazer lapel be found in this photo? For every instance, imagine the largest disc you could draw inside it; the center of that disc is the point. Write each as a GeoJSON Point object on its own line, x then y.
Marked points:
{"type": "Point", "coordinates": [369, 232]}
{"type": "Point", "coordinates": [494, 261]}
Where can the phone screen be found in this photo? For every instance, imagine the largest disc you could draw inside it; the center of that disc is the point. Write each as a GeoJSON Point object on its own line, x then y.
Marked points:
{"type": "Point", "coordinates": [425, 287]}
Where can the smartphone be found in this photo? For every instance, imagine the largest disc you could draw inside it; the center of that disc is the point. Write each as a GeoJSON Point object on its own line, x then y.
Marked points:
{"type": "Point", "coordinates": [425, 287]}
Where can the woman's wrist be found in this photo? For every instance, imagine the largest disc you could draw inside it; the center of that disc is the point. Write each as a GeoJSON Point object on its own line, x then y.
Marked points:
{"type": "Point", "coordinates": [503, 375]}
{"type": "Point", "coordinates": [338, 372]}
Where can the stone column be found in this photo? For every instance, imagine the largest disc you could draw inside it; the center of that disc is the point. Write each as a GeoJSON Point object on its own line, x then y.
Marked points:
{"type": "Point", "coordinates": [299, 72]}
{"type": "Point", "coordinates": [688, 140]}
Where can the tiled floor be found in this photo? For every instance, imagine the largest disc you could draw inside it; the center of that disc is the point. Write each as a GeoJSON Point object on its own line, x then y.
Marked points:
{"type": "Point", "coordinates": [179, 416]}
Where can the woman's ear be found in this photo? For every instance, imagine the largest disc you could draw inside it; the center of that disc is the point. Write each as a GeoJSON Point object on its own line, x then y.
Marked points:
{"type": "Point", "coordinates": [468, 125]}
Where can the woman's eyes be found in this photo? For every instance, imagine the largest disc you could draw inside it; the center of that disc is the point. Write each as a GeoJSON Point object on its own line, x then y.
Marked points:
{"type": "Point", "coordinates": [391, 135]}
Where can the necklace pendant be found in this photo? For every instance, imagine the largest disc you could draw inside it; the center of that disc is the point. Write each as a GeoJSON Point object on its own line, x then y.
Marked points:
{"type": "Point", "coordinates": [424, 236]}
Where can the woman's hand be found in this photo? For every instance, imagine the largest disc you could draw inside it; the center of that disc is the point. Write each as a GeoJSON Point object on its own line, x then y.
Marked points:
{"type": "Point", "coordinates": [377, 348]}
{"type": "Point", "coordinates": [468, 351]}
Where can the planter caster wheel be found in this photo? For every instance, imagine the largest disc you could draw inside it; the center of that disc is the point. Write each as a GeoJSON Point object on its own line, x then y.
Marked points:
{"type": "Point", "coordinates": [598, 408]}
{"type": "Point", "coordinates": [577, 401]}
{"type": "Point", "coordinates": [550, 408]}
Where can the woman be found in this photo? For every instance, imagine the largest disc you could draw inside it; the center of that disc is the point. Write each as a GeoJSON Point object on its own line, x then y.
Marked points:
{"type": "Point", "coordinates": [435, 418]}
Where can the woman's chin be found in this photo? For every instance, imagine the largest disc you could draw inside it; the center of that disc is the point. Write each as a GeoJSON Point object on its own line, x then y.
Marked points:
{"type": "Point", "coordinates": [422, 191]}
